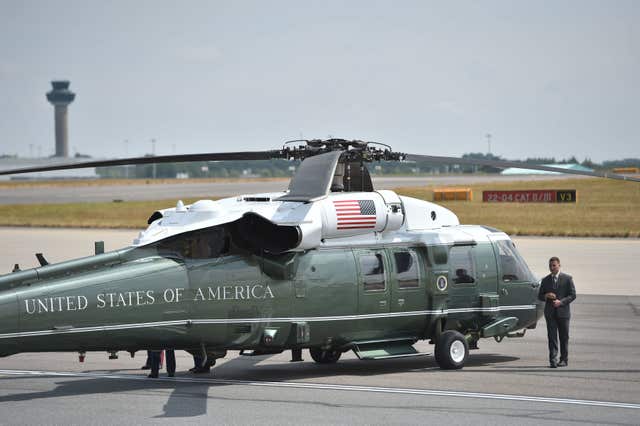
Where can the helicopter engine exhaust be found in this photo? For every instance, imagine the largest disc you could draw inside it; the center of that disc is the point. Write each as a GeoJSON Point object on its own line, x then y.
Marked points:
{"type": "Point", "coordinates": [258, 233]}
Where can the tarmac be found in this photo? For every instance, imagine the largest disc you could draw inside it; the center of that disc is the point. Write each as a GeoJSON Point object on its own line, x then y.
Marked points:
{"type": "Point", "coordinates": [502, 383]}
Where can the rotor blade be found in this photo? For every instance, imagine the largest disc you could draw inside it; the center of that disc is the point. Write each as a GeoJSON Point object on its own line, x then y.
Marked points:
{"type": "Point", "coordinates": [500, 164]}
{"type": "Point", "coordinates": [213, 156]}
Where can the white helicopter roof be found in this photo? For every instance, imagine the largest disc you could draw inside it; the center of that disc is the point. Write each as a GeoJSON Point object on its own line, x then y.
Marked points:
{"type": "Point", "coordinates": [339, 219]}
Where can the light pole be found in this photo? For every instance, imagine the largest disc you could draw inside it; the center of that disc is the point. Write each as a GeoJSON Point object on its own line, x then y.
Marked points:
{"type": "Point", "coordinates": [153, 154]}
{"type": "Point", "coordinates": [126, 154]}
{"type": "Point", "coordinates": [488, 136]}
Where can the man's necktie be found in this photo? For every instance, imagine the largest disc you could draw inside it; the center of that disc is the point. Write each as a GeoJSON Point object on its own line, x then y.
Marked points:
{"type": "Point", "coordinates": [555, 282]}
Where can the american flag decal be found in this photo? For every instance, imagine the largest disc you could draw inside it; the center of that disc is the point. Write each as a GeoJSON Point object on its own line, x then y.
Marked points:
{"type": "Point", "coordinates": [355, 214]}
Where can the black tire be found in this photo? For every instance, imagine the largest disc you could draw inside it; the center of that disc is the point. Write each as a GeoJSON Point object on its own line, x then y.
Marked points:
{"type": "Point", "coordinates": [452, 350]}
{"type": "Point", "coordinates": [325, 357]}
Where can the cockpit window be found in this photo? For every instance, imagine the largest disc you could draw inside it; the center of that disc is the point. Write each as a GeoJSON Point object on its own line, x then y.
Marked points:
{"type": "Point", "coordinates": [461, 260]}
{"type": "Point", "coordinates": [512, 265]}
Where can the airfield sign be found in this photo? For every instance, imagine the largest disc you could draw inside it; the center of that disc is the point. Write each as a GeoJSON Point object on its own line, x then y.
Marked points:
{"type": "Point", "coordinates": [531, 196]}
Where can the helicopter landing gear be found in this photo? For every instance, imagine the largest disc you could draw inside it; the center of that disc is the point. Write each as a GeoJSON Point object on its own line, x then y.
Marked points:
{"type": "Point", "coordinates": [325, 356]}
{"type": "Point", "coordinates": [452, 350]}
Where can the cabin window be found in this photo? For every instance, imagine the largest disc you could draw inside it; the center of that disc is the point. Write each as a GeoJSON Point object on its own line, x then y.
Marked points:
{"type": "Point", "coordinates": [372, 269]}
{"type": "Point", "coordinates": [512, 265]}
{"type": "Point", "coordinates": [461, 261]}
{"type": "Point", "coordinates": [407, 269]}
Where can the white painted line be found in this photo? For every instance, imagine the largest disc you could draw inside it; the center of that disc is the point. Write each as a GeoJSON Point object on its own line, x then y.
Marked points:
{"type": "Point", "coordinates": [321, 386]}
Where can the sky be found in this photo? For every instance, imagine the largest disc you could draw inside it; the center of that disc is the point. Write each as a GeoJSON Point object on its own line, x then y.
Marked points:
{"type": "Point", "coordinates": [543, 78]}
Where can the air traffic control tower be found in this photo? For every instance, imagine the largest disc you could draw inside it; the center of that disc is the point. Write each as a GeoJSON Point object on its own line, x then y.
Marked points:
{"type": "Point", "coordinates": [60, 97]}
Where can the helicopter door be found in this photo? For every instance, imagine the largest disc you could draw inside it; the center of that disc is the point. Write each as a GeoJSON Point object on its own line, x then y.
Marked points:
{"type": "Point", "coordinates": [518, 288]}
{"type": "Point", "coordinates": [462, 277]}
{"type": "Point", "coordinates": [373, 286]}
{"type": "Point", "coordinates": [486, 270]}
{"type": "Point", "coordinates": [408, 292]}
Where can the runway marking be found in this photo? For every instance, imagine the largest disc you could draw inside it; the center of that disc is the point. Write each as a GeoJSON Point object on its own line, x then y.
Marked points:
{"type": "Point", "coordinates": [322, 386]}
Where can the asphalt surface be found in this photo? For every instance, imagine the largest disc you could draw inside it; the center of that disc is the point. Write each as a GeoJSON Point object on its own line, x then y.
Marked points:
{"type": "Point", "coordinates": [506, 383]}
{"type": "Point", "coordinates": [143, 191]}
{"type": "Point", "coordinates": [502, 383]}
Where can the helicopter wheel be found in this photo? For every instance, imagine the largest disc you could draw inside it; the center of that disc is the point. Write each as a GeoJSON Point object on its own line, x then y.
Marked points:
{"type": "Point", "coordinates": [452, 350]}
{"type": "Point", "coordinates": [325, 357]}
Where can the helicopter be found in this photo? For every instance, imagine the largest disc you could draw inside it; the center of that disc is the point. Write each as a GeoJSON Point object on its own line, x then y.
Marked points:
{"type": "Point", "coordinates": [330, 265]}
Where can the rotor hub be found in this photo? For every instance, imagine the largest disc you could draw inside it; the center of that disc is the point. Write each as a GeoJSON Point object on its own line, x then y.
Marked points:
{"type": "Point", "coordinates": [354, 150]}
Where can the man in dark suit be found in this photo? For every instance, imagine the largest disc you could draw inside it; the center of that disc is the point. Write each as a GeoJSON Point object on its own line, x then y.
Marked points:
{"type": "Point", "coordinates": [155, 363]}
{"type": "Point", "coordinates": [558, 291]}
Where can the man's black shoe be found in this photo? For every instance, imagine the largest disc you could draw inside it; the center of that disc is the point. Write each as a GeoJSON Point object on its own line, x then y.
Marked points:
{"type": "Point", "coordinates": [553, 365]}
{"type": "Point", "coordinates": [171, 374]}
{"type": "Point", "coordinates": [145, 367]}
{"type": "Point", "coordinates": [563, 363]}
{"type": "Point", "coordinates": [153, 376]}
{"type": "Point", "coordinates": [200, 370]}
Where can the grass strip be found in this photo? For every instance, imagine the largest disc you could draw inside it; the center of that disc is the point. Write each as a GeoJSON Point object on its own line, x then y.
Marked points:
{"type": "Point", "coordinates": [605, 208]}
{"type": "Point", "coordinates": [125, 214]}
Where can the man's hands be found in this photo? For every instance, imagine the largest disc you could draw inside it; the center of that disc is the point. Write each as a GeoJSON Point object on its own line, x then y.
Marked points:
{"type": "Point", "coordinates": [552, 296]}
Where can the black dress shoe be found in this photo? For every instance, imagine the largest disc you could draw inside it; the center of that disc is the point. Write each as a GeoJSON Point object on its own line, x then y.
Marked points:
{"type": "Point", "coordinates": [171, 374]}
{"type": "Point", "coordinates": [563, 363]}
{"type": "Point", "coordinates": [201, 370]}
{"type": "Point", "coordinates": [553, 365]}
{"type": "Point", "coordinates": [145, 367]}
{"type": "Point", "coordinates": [153, 376]}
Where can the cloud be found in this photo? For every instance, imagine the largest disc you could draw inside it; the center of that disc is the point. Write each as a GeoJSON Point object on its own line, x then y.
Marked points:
{"type": "Point", "coordinates": [450, 107]}
{"type": "Point", "coordinates": [200, 54]}
{"type": "Point", "coordinates": [8, 70]}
